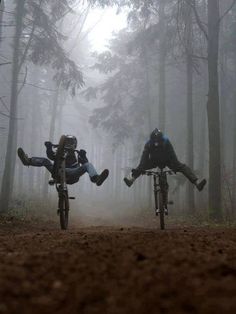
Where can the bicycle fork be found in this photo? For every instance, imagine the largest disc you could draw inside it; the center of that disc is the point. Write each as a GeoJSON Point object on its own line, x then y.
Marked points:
{"type": "Point", "coordinates": [164, 187]}
{"type": "Point", "coordinates": [160, 187]}
{"type": "Point", "coordinates": [155, 190]}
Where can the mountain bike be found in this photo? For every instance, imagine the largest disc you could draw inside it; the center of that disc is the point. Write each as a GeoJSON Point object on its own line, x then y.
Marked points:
{"type": "Point", "coordinates": [59, 179]}
{"type": "Point", "coordinates": [160, 189]}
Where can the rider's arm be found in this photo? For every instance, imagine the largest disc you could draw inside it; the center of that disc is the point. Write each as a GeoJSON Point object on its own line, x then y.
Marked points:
{"type": "Point", "coordinates": [145, 155]}
{"type": "Point", "coordinates": [81, 155]}
{"type": "Point", "coordinates": [49, 151]}
{"type": "Point", "coordinates": [170, 150]}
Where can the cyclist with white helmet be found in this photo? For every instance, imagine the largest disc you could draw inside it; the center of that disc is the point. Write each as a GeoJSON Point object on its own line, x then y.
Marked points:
{"type": "Point", "coordinates": [76, 162]}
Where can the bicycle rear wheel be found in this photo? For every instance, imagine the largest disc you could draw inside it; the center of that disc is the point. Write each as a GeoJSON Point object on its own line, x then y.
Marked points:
{"type": "Point", "coordinates": [162, 211]}
{"type": "Point", "coordinates": [63, 207]}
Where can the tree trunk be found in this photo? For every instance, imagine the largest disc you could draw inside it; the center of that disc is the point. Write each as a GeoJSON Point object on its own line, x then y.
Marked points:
{"type": "Point", "coordinates": [223, 82]}
{"type": "Point", "coordinates": [234, 154]}
{"type": "Point", "coordinates": [33, 143]}
{"type": "Point", "coordinates": [149, 107]}
{"type": "Point", "coordinates": [234, 166]}
{"type": "Point", "coordinates": [2, 6]}
{"type": "Point", "coordinates": [51, 136]}
{"type": "Point", "coordinates": [189, 76]}
{"type": "Point", "coordinates": [213, 112]}
{"type": "Point", "coordinates": [162, 66]}
{"type": "Point", "coordinates": [9, 169]}
{"type": "Point", "coordinates": [22, 131]}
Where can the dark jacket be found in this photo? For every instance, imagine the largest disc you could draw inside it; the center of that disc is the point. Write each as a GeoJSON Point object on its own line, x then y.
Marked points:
{"type": "Point", "coordinates": [162, 153]}
{"type": "Point", "coordinates": [73, 159]}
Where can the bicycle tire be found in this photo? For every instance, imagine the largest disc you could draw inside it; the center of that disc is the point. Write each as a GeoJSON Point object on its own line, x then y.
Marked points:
{"type": "Point", "coordinates": [59, 172]}
{"type": "Point", "coordinates": [162, 211]}
{"type": "Point", "coordinates": [63, 210]}
{"type": "Point", "coordinates": [58, 156]}
{"type": "Point", "coordinates": [156, 200]}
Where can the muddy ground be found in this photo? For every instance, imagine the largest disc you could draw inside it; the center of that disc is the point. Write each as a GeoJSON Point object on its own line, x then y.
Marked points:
{"type": "Point", "coordinates": [116, 269]}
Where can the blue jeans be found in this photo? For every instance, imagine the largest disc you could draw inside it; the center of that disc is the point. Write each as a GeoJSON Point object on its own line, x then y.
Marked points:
{"type": "Point", "coordinates": [72, 174]}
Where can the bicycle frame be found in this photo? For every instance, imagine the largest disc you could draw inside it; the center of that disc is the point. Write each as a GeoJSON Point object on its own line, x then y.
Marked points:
{"type": "Point", "coordinates": [59, 179]}
{"type": "Point", "coordinates": [160, 189]}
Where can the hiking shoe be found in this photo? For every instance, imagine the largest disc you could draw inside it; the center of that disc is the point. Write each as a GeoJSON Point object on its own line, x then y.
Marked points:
{"type": "Point", "coordinates": [23, 157]}
{"type": "Point", "coordinates": [201, 185]}
{"type": "Point", "coordinates": [102, 177]}
{"type": "Point", "coordinates": [128, 182]}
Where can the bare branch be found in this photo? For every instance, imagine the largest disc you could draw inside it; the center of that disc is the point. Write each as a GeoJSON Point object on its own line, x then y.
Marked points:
{"type": "Point", "coordinates": [81, 27]}
{"type": "Point", "coordinates": [5, 63]}
{"type": "Point", "coordinates": [192, 3]}
{"type": "Point", "coordinates": [28, 44]}
{"type": "Point", "coordinates": [199, 57]}
{"type": "Point", "coordinates": [40, 87]}
{"type": "Point", "coordinates": [92, 28]}
{"type": "Point", "coordinates": [2, 56]}
{"type": "Point", "coordinates": [4, 114]}
{"type": "Point", "coordinates": [8, 116]}
{"type": "Point", "coordinates": [8, 12]}
{"type": "Point", "coordinates": [24, 81]}
{"type": "Point", "coordinates": [227, 11]}
{"type": "Point", "coordinates": [4, 104]}
{"type": "Point", "coordinates": [8, 25]}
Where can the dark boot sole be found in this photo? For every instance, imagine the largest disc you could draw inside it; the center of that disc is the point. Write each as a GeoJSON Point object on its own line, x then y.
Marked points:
{"type": "Point", "coordinates": [23, 158]}
{"type": "Point", "coordinates": [127, 182]}
{"type": "Point", "coordinates": [201, 185]}
{"type": "Point", "coordinates": [102, 177]}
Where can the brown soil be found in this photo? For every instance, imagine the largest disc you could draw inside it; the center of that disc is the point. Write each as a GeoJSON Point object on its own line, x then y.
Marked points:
{"type": "Point", "coordinates": [116, 270]}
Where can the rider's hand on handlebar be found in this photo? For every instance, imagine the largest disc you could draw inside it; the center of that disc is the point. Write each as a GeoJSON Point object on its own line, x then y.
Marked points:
{"type": "Point", "coordinates": [136, 172]}
{"type": "Point", "coordinates": [82, 156]}
{"type": "Point", "coordinates": [82, 153]}
{"type": "Point", "coordinates": [48, 144]}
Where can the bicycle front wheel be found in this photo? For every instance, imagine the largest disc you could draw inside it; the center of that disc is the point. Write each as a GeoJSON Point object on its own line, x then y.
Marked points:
{"type": "Point", "coordinates": [59, 157]}
{"type": "Point", "coordinates": [63, 210]}
{"type": "Point", "coordinates": [162, 211]}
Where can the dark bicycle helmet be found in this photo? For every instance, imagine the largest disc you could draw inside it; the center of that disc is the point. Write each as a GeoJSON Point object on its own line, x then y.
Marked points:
{"type": "Point", "coordinates": [71, 142]}
{"type": "Point", "coordinates": [156, 136]}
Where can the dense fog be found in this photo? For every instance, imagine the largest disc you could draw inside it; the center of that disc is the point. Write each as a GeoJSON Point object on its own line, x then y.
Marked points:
{"type": "Point", "coordinates": [154, 64]}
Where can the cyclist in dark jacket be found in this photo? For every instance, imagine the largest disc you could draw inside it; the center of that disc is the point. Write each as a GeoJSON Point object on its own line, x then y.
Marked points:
{"type": "Point", "coordinates": [159, 152]}
{"type": "Point", "coordinates": [76, 162]}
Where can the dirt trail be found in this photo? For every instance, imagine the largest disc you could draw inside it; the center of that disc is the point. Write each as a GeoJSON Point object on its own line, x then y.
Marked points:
{"type": "Point", "coordinates": [117, 270]}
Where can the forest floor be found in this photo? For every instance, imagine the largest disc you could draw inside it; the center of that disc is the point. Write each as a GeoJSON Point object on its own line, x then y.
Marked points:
{"type": "Point", "coordinates": [116, 269]}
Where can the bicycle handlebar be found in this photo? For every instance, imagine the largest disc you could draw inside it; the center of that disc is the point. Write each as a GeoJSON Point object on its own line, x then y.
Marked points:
{"type": "Point", "coordinates": [156, 173]}
{"type": "Point", "coordinates": [56, 146]}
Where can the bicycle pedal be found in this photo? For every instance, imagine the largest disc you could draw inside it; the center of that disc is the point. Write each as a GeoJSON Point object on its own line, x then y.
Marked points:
{"type": "Point", "coordinates": [51, 182]}
{"type": "Point", "coordinates": [72, 198]}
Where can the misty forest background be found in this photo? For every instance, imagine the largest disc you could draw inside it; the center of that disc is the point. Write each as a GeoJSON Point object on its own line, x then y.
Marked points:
{"type": "Point", "coordinates": [173, 67]}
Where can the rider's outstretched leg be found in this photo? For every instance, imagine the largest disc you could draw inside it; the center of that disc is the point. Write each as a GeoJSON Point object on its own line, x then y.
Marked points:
{"type": "Point", "coordinates": [177, 166]}
{"type": "Point", "coordinates": [135, 173]}
{"type": "Point", "coordinates": [23, 157]}
{"type": "Point", "coordinates": [74, 174]}
{"type": "Point", "coordinates": [34, 161]}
